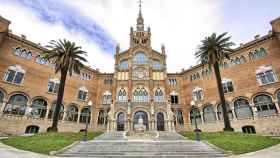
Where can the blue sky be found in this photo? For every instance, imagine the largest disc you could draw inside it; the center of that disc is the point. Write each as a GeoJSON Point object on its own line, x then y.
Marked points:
{"type": "Point", "coordinates": [98, 25]}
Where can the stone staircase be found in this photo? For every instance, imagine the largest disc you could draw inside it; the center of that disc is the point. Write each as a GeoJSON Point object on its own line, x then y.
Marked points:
{"type": "Point", "coordinates": [168, 144]}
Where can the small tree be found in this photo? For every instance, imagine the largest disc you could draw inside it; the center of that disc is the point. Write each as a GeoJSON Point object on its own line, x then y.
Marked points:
{"type": "Point", "coordinates": [213, 50]}
{"type": "Point", "coordinates": [67, 58]}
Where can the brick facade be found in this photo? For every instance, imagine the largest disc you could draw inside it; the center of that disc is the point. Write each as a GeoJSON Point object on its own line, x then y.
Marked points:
{"type": "Point", "coordinates": [143, 76]}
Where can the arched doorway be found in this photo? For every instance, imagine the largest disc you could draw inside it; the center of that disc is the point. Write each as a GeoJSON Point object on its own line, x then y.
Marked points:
{"type": "Point", "coordinates": [120, 122]}
{"type": "Point", "coordinates": [144, 116]}
{"type": "Point", "coordinates": [160, 121]}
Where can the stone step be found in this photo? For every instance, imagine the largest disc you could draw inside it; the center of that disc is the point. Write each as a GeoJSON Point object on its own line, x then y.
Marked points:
{"type": "Point", "coordinates": [142, 154]}
{"type": "Point", "coordinates": [146, 156]}
{"type": "Point", "coordinates": [168, 144]}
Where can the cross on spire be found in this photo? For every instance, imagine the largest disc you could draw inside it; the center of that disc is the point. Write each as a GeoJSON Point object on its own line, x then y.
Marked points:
{"type": "Point", "coordinates": [140, 4]}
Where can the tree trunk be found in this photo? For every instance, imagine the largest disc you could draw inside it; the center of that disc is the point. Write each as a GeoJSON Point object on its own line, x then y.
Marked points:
{"type": "Point", "coordinates": [59, 100]}
{"type": "Point", "coordinates": [227, 126]}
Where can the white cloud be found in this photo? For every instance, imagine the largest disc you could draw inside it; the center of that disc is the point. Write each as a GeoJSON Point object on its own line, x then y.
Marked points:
{"type": "Point", "coordinates": [180, 24]}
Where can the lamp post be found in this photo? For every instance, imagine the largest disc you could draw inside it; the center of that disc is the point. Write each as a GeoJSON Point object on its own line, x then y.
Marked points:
{"type": "Point", "coordinates": [86, 129]}
{"type": "Point", "coordinates": [195, 122]}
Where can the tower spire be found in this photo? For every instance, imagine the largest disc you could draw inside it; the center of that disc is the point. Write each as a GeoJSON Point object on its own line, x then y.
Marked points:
{"type": "Point", "coordinates": [140, 7]}
{"type": "Point", "coordinates": [140, 20]}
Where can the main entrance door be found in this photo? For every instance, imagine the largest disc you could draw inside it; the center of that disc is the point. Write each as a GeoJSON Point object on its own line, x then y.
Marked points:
{"type": "Point", "coordinates": [160, 121]}
{"type": "Point", "coordinates": [120, 122]}
{"type": "Point", "coordinates": [144, 116]}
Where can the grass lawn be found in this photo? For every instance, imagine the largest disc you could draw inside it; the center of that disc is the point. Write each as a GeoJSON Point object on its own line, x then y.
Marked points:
{"type": "Point", "coordinates": [237, 143]}
{"type": "Point", "coordinates": [46, 142]}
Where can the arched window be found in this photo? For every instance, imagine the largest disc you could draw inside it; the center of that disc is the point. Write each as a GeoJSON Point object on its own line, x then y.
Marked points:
{"type": "Point", "coordinates": [85, 115]}
{"type": "Point", "coordinates": [39, 108]}
{"type": "Point", "coordinates": [278, 97]}
{"type": "Point", "coordinates": [102, 118]}
{"type": "Point", "coordinates": [174, 98]}
{"type": "Point", "coordinates": [83, 94]}
{"type": "Point", "coordinates": [140, 58]}
{"type": "Point", "coordinates": [72, 113]}
{"type": "Point", "coordinates": [262, 52]}
{"type": "Point", "coordinates": [17, 51]}
{"type": "Point", "coordinates": [237, 61]}
{"type": "Point", "coordinates": [195, 114]}
{"type": "Point", "coordinates": [264, 105]}
{"type": "Point", "coordinates": [209, 114]}
{"type": "Point", "coordinates": [220, 112]}
{"type": "Point", "coordinates": [16, 105]}
{"type": "Point", "coordinates": [107, 98]}
{"type": "Point", "coordinates": [22, 53]}
{"type": "Point", "coordinates": [242, 60]}
{"type": "Point", "coordinates": [1, 98]}
{"type": "Point", "coordinates": [227, 85]}
{"type": "Point", "coordinates": [122, 95]}
{"type": "Point", "coordinates": [159, 97]}
{"type": "Point", "coordinates": [232, 62]}
{"type": "Point", "coordinates": [140, 95]}
{"type": "Point", "coordinates": [242, 109]}
{"type": "Point", "coordinates": [32, 129]}
{"type": "Point", "coordinates": [258, 54]}
{"type": "Point", "coordinates": [51, 111]}
{"type": "Point", "coordinates": [120, 121]}
{"type": "Point", "coordinates": [123, 65]}
{"type": "Point", "coordinates": [156, 64]}
{"type": "Point", "coordinates": [160, 121]}
{"type": "Point", "coordinates": [226, 65]}
{"type": "Point", "coordinates": [198, 94]}
{"type": "Point", "coordinates": [14, 74]}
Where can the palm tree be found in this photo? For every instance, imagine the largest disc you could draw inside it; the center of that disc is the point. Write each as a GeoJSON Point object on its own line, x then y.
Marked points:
{"type": "Point", "coordinates": [67, 58]}
{"type": "Point", "coordinates": [213, 51]}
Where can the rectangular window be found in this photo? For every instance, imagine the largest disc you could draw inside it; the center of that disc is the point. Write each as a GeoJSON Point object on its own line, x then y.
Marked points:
{"type": "Point", "coordinates": [82, 95]}
{"type": "Point", "coordinates": [174, 99]}
{"type": "Point", "coordinates": [10, 76]}
{"type": "Point", "coordinates": [18, 78]}
{"type": "Point", "coordinates": [53, 87]}
{"type": "Point", "coordinates": [14, 77]}
{"type": "Point", "coordinates": [266, 77]}
{"type": "Point", "coordinates": [228, 87]}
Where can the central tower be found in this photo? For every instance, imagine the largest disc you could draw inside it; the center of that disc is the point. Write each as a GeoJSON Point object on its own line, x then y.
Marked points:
{"type": "Point", "coordinates": [140, 88]}
{"type": "Point", "coordinates": [140, 37]}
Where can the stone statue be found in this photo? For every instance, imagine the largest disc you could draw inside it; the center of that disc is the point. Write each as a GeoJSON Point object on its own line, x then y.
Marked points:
{"type": "Point", "coordinates": [111, 112]}
{"type": "Point", "coordinates": [140, 127]}
{"type": "Point", "coordinates": [170, 114]}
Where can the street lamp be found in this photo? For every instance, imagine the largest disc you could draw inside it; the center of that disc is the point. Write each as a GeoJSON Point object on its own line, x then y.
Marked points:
{"type": "Point", "coordinates": [86, 129]}
{"type": "Point", "coordinates": [195, 122]}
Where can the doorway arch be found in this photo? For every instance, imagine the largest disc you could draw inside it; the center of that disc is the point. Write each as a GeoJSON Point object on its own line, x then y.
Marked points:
{"type": "Point", "coordinates": [120, 121]}
{"type": "Point", "coordinates": [144, 116]}
{"type": "Point", "coordinates": [160, 121]}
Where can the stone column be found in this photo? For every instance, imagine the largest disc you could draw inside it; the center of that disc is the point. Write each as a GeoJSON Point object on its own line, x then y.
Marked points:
{"type": "Point", "coordinates": [108, 126]}
{"type": "Point", "coordinates": [79, 114]}
{"type": "Point", "coordinates": [202, 117]}
{"type": "Point", "coordinates": [47, 114]}
{"type": "Point", "coordinates": [3, 106]}
{"type": "Point", "coordinates": [64, 116]}
{"type": "Point", "coordinates": [254, 110]}
{"type": "Point", "coordinates": [217, 117]}
{"type": "Point", "coordinates": [233, 114]}
{"type": "Point", "coordinates": [114, 125]}
{"type": "Point", "coordinates": [277, 106]}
